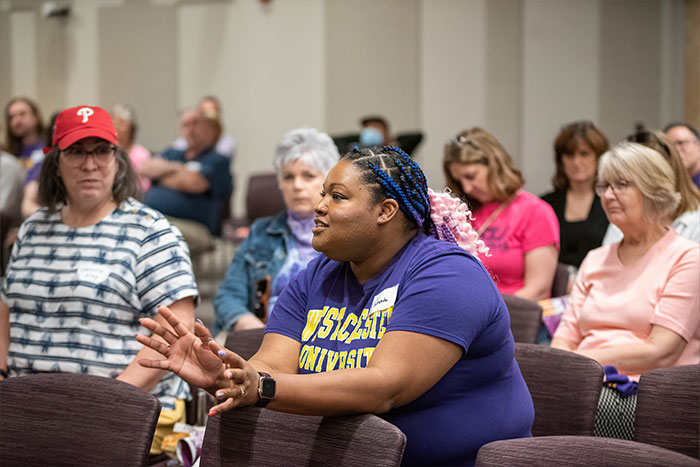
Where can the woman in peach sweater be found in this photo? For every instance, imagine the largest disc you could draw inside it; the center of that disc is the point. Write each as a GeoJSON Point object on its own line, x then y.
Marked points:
{"type": "Point", "coordinates": [635, 303]}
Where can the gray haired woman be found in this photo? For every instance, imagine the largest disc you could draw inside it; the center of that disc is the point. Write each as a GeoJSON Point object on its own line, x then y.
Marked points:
{"type": "Point", "coordinates": [278, 246]}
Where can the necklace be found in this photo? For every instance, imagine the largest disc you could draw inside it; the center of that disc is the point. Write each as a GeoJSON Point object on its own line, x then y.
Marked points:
{"type": "Point", "coordinates": [501, 207]}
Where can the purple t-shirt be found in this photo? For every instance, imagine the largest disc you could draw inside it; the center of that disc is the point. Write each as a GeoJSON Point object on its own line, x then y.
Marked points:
{"type": "Point", "coordinates": [31, 158]}
{"type": "Point", "coordinates": [430, 287]}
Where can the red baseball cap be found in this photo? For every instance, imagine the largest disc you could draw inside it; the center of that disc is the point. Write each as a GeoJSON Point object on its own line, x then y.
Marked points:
{"type": "Point", "coordinates": [81, 122]}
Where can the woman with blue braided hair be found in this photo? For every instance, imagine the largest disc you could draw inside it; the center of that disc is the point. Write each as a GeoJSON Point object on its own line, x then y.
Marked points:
{"type": "Point", "coordinates": [398, 318]}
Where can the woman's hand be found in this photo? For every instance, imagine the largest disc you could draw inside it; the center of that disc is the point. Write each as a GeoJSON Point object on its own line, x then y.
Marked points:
{"type": "Point", "coordinates": [243, 381]}
{"type": "Point", "coordinates": [191, 356]}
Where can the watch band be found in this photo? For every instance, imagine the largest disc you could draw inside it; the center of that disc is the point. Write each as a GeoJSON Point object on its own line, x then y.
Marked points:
{"type": "Point", "coordinates": [3, 373]}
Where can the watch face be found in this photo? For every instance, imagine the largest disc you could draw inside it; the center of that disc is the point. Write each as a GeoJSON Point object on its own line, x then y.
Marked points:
{"type": "Point", "coordinates": [267, 388]}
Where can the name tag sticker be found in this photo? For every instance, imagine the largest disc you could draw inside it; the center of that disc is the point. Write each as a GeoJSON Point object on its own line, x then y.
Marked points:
{"type": "Point", "coordinates": [93, 274]}
{"type": "Point", "coordinates": [384, 299]}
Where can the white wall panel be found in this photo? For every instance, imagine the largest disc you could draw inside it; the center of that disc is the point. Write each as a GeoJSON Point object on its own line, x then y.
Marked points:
{"type": "Point", "coordinates": [23, 63]}
{"type": "Point", "coordinates": [561, 71]}
{"type": "Point", "coordinates": [453, 75]}
{"type": "Point", "coordinates": [372, 61]}
{"type": "Point", "coordinates": [267, 65]}
{"type": "Point", "coordinates": [82, 46]}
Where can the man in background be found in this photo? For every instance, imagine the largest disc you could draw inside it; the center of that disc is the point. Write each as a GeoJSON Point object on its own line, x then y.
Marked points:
{"type": "Point", "coordinates": [687, 141]}
{"type": "Point", "coordinates": [191, 186]}
{"type": "Point", "coordinates": [25, 134]}
{"type": "Point", "coordinates": [225, 145]}
{"type": "Point", "coordinates": [375, 132]}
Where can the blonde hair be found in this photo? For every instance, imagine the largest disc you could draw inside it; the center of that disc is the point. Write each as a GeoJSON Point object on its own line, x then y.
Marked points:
{"type": "Point", "coordinates": [649, 172]}
{"type": "Point", "coordinates": [477, 146]}
{"type": "Point", "coordinates": [657, 140]}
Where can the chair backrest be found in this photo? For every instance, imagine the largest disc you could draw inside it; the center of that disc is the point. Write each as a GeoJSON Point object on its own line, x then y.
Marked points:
{"type": "Point", "coordinates": [409, 141]}
{"type": "Point", "coordinates": [569, 451]}
{"type": "Point", "coordinates": [63, 419]}
{"type": "Point", "coordinates": [264, 197]}
{"type": "Point", "coordinates": [564, 386]}
{"type": "Point", "coordinates": [344, 142]}
{"type": "Point", "coordinates": [525, 318]}
{"type": "Point", "coordinates": [245, 343]}
{"type": "Point", "coordinates": [560, 284]}
{"type": "Point", "coordinates": [224, 214]}
{"type": "Point", "coordinates": [252, 436]}
{"type": "Point", "coordinates": [668, 409]}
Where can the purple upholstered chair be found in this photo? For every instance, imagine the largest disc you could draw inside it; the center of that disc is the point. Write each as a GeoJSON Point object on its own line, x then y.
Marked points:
{"type": "Point", "coordinates": [525, 318]}
{"type": "Point", "coordinates": [578, 451]}
{"type": "Point", "coordinates": [245, 343]}
{"type": "Point", "coordinates": [668, 409]}
{"type": "Point", "coordinates": [64, 419]}
{"type": "Point", "coordinates": [564, 386]}
{"type": "Point", "coordinates": [253, 436]}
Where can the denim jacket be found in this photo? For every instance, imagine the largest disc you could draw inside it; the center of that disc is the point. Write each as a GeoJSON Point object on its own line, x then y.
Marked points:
{"type": "Point", "coordinates": [262, 253]}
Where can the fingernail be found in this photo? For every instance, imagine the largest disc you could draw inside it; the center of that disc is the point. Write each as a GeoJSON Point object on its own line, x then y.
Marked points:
{"type": "Point", "coordinates": [221, 353]}
{"type": "Point", "coordinates": [212, 412]}
{"type": "Point", "coordinates": [228, 374]}
{"type": "Point", "coordinates": [220, 394]}
{"type": "Point", "coordinates": [200, 321]}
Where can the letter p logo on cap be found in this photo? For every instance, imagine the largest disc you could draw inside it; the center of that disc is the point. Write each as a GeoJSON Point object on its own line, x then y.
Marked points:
{"type": "Point", "coordinates": [86, 113]}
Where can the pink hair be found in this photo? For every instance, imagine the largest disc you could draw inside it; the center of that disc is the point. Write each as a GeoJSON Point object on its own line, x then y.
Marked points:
{"type": "Point", "coordinates": [451, 218]}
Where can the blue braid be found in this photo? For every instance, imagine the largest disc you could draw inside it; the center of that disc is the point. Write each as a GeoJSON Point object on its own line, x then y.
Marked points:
{"type": "Point", "coordinates": [421, 194]}
{"type": "Point", "coordinates": [415, 169]}
{"type": "Point", "coordinates": [392, 190]}
{"type": "Point", "coordinates": [420, 201]}
{"type": "Point", "coordinates": [416, 199]}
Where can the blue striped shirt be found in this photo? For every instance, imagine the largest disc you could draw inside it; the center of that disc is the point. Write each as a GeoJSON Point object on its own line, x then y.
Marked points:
{"type": "Point", "coordinates": [76, 294]}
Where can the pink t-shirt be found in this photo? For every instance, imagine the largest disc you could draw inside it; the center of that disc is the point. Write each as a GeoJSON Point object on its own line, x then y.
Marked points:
{"type": "Point", "coordinates": [137, 156]}
{"type": "Point", "coordinates": [613, 304]}
{"type": "Point", "coordinates": [527, 223]}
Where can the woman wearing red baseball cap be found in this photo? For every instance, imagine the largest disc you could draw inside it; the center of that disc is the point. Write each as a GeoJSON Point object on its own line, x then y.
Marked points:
{"type": "Point", "coordinates": [89, 264]}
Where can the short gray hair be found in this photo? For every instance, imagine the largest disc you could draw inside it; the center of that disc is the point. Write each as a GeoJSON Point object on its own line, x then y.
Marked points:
{"type": "Point", "coordinates": [649, 172]}
{"type": "Point", "coordinates": [308, 145]}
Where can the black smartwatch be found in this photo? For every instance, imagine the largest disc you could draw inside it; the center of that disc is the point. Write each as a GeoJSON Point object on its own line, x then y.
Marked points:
{"type": "Point", "coordinates": [266, 389]}
{"type": "Point", "coordinates": [3, 373]}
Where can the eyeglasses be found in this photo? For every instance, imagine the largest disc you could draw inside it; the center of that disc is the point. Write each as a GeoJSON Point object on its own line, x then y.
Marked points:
{"type": "Point", "coordinates": [618, 187]}
{"type": "Point", "coordinates": [684, 142]}
{"type": "Point", "coordinates": [75, 156]}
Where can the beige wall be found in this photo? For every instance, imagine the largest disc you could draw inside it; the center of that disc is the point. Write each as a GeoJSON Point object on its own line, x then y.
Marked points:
{"type": "Point", "coordinates": [23, 38]}
{"type": "Point", "coordinates": [561, 78]}
{"type": "Point", "coordinates": [520, 68]}
{"type": "Point", "coordinates": [145, 79]}
{"type": "Point", "coordinates": [265, 62]}
{"type": "Point", "coordinates": [372, 58]}
{"type": "Point", "coordinates": [692, 62]}
{"type": "Point", "coordinates": [453, 75]}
